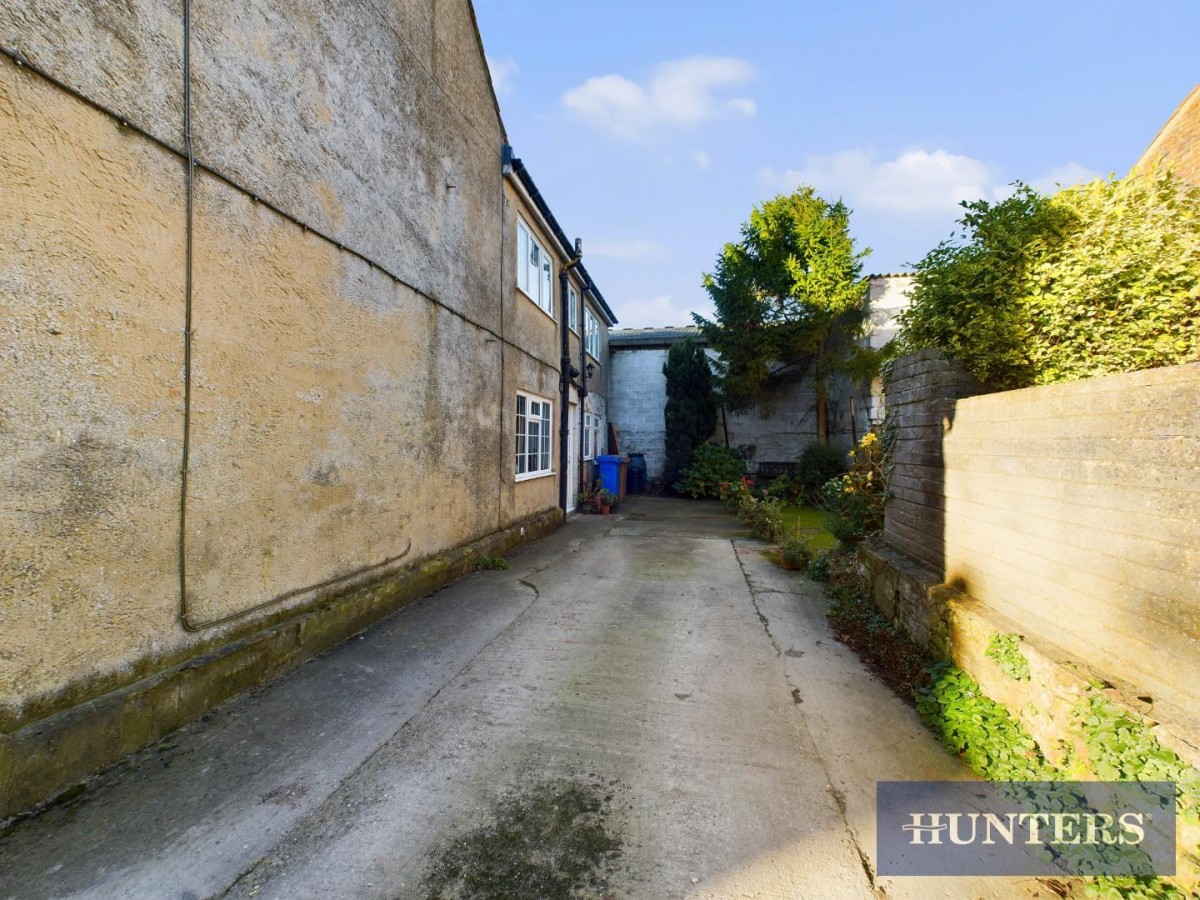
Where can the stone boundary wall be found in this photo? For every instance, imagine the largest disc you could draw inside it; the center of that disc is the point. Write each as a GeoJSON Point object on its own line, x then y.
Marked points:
{"type": "Point", "coordinates": [1072, 509]}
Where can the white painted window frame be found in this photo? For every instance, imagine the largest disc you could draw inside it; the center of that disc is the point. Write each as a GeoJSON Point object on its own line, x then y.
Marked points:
{"type": "Point", "coordinates": [544, 435]}
{"type": "Point", "coordinates": [592, 425]}
{"type": "Point", "coordinates": [573, 308]}
{"type": "Point", "coordinates": [591, 336]}
{"type": "Point", "coordinates": [541, 292]}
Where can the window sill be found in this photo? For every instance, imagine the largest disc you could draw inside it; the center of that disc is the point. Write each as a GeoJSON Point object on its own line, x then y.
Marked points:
{"type": "Point", "coordinates": [531, 476]}
{"type": "Point", "coordinates": [544, 311]}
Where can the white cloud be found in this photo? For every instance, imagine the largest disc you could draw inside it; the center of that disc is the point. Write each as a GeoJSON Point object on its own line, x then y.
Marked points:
{"type": "Point", "coordinates": [917, 181]}
{"type": "Point", "coordinates": [680, 93]}
{"type": "Point", "coordinates": [1059, 177]}
{"type": "Point", "coordinates": [657, 312]}
{"type": "Point", "coordinates": [634, 248]}
{"type": "Point", "coordinates": [743, 105]}
{"type": "Point", "coordinates": [503, 71]}
{"type": "Point", "coordinates": [701, 159]}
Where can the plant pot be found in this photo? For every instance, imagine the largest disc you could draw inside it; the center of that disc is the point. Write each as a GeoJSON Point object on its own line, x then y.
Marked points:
{"type": "Point", "coordinates": [605, 510]}
{"type": "Point", "coordinates": [789, 564]}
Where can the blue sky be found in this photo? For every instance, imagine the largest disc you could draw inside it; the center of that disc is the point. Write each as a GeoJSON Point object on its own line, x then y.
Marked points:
{"type": "Point", "coordinates": [653, 128]}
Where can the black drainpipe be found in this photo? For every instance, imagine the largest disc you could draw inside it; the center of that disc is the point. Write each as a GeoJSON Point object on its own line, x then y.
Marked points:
{"type": "Point", "coordinates": [583, 391]}
{"type": "Point", "coordinates": [566, 374]}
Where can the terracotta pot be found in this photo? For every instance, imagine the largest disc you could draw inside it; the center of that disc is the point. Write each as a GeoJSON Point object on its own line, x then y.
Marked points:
{"type": "Point", "coordinates": [605, 510]}
{"type": "Point", "coordinates": [789, 565]}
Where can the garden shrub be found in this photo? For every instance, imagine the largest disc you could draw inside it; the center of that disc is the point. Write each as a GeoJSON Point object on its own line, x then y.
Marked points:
{"type": "Point", "coordinates": [732, 492]}
{"type": "Point", "coordinates": [818, 463]}
{"type": "Point", "coordinates": [767, 519]}
{"type": "Point", "coordinates": [712, 465]}
{"type": "Point", "coordinates": [784, 488]}
{"type": "Point", "coordinates": [854, 502]}
{"type": "Point", "coordinates": [818, 568]}
{"type": "Point", "coordinates": [1093, 280]}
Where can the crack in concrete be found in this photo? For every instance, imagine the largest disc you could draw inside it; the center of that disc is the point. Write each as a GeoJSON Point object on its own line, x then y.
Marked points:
{"type": "Point", "coordinates": [838, 797]}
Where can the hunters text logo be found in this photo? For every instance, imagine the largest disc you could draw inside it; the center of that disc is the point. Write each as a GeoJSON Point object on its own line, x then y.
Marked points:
{"type": "Point", "coordinates": [1026, 828]}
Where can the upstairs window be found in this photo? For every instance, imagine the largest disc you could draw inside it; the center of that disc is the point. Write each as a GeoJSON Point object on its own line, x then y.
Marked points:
{"type": "Point", "coordinates": [591, 338]}
{"type": "Point", "coordinates": [573, 308]}
{"type": "Point", "coordinates": [533, 436]}
{"type": "Point", "coordinates": [535, 269]}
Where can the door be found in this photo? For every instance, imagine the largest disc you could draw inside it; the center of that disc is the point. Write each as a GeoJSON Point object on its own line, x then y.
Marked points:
{"type": "Point", "coordinates": [572, 473]}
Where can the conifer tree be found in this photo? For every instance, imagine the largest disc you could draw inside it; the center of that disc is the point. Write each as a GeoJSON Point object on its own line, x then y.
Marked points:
{"type": "Point", "coordinates": [789, 292]}
{"type": "Point", "coordinates": [691, 411]}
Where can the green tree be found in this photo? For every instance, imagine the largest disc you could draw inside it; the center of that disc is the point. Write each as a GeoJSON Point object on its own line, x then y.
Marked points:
{"type": "Point", "coordinates": [691, 411]}
{"type": "Point", "coordinates": [789, 293]}
{"type": "Point", "coordinates": [1093, 280]}
{"type": "Point", "coordinates": [967, 293]}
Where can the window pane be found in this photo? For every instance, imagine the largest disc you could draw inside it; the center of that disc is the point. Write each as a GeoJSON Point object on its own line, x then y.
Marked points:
{"type": "Point", "coordinates": [522, 255]}
{"type": "Point", "coordinates": [547, 289]}
{"type": "Point", "coordinates": [532, 263]}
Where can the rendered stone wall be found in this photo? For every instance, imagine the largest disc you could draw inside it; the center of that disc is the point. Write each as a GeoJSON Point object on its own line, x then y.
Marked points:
{"type": "Point", "coordinates": [351, 391]}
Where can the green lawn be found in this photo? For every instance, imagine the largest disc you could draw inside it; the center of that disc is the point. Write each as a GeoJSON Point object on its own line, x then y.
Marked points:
{"type": "Point", "coordinates": [810, 523]}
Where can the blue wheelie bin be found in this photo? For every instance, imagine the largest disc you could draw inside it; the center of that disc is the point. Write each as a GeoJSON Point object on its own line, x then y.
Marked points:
{"type": "Point", "coordinates": [610, 473]}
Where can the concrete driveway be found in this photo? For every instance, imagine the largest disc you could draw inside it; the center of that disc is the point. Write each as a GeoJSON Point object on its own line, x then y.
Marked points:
{"type": "Point", "coordinates": [642, 705]}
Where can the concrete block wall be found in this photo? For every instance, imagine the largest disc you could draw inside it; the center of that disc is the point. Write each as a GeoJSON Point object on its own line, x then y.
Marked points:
{"type": "Point", "coordinates": [637, 396]}
{"type": "Point", "coordinates": [1072, 509]}
{"type": "Point", "coordinates": [921, 391]}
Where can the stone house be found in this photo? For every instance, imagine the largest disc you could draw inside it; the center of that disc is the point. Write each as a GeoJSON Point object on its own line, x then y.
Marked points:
{"type": "Point", "coordinates": [267, 340]}
{"type": "Point", "coordinates": [1177, 143]}
{"type": "Point", "coordinates": [558, 325]}
{"type": "Point", "coordinates": [771, 436]}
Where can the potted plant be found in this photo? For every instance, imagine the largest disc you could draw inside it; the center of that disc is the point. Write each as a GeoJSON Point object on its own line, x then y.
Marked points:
{"type": "Point", "coordinates": [794, 553]}
{"type": "Point", "coordinates": [607, 500]}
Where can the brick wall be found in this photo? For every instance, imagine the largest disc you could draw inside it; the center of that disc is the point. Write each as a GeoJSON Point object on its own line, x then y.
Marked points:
{"type": "Point", "coordinates": [1073, 509]}
{"type": "Point", "coordinates": [1178, 143]}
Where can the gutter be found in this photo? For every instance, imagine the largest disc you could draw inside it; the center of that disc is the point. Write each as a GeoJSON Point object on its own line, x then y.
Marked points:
{"type": "Point", "coordinates": [567, 246]}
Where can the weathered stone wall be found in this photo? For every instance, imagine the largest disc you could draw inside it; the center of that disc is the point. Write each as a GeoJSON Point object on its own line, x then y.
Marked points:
{"type": "Point", "coordinates": [354, 351]}
{"type": "Point", "coordinates": [786, 423]}
{"type": "Point", "coordinates": [1071, 509]}
{"type": "Point", "coordinates": [777, 432]}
